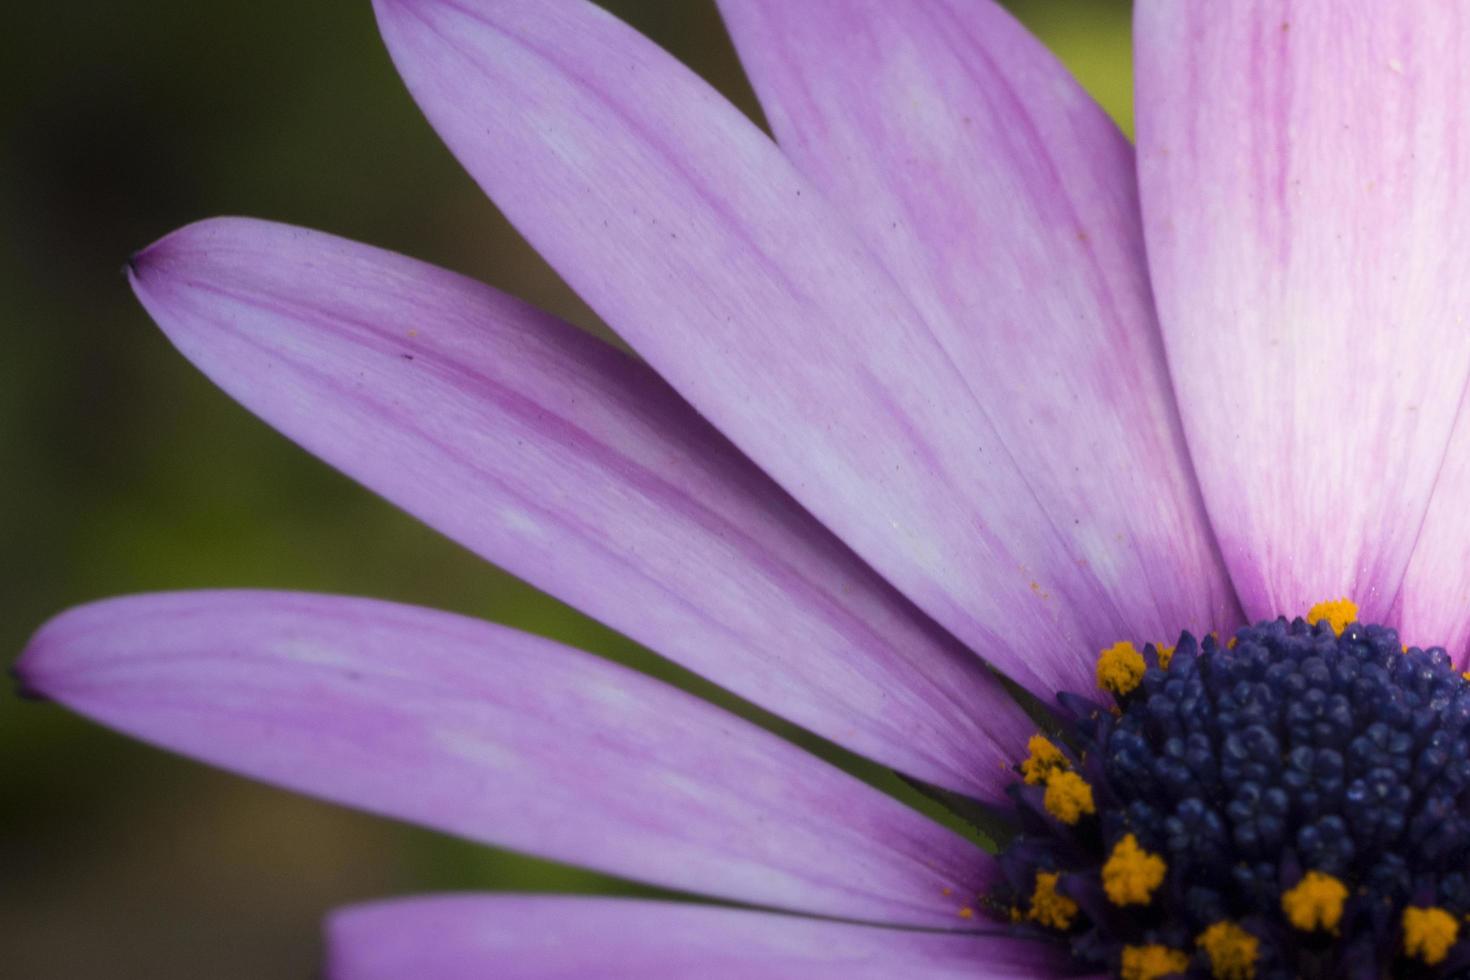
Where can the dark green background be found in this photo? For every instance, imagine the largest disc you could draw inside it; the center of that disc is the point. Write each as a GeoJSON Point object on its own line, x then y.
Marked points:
{"type": "Point", "coordinates": [122, 470]}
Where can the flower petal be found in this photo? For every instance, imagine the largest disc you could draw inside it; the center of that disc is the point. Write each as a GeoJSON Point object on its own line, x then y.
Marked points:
{"type": "Point", "coordinates": [1433, 607]}
{"type": "Point", "coordinates": [466, 937]}
{"type": "Point", "coordinates": [1003, 201]}
{"type": "Point", "coordinates": [1304, 174]}
{"type": "Point", "coordinates": [501, 737]}
{"type": "Point", "coordinates": [690, 234]}
{"type": "Point", "coordinates": [567, 462]}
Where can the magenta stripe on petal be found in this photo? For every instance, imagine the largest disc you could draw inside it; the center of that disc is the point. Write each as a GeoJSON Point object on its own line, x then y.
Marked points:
{"type": "Point", "coordinates": [570, 464]}
{"type": "Point", "coordinates": [1003, 200]}
{"type": "Point", "coordinates": [1305, 176]}
{"type": "Point", "coordinates": [501, 737]}
{"type": "Point", "coordinates": [470, 937]}
{"type": "Point", "coordinates": [686, 229]}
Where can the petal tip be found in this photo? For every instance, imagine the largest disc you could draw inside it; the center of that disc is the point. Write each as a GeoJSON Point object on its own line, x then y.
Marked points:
{"type": "Point", "coordinates": [61, 651]}
{"type": "Point", "coordinates": [23, 684]}
{"type": "Point", "coordinates": [147, 262]}
{"type": "Point", "coordinates": [28, 674]}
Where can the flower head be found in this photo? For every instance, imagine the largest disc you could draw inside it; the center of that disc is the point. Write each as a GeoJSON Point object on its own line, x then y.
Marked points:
{"type": "Point", "coordinates": [914, 406]}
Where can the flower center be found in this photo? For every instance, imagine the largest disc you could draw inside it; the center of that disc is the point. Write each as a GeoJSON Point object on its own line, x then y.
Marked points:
{"type": "Point", "coordinates": [1295, 802]}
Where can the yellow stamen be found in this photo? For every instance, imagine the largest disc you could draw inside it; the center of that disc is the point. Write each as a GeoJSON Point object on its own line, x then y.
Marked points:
{"type": "Point", "coordinates": [1232, 951]}
{"type": "Point", "coordinates": [1429, 933]}
{"type": "Point", "coordinates": [1131, 874]}
{"type": "Point", "coordinates": [1315, 902]}
{"type": "Point", "coordinates": [1049, 908]}
{"type": "Point", "coordinates": [1338, 613]}
{"type": "Point", "coordinates": [967, 913]}
{"type": "Point", "coordinates": [1068, 797]}
{"type": "Point", "coordinates": [1045, 759]}
{"type": "Point", "coordinates": [1120, 668]}
{"type": "Point", "coordinates": [1466, 675]}
{"type": "Point", "coordinates": [1166, 656]}
{"type": "Point", "coordinates": [1151, 962]}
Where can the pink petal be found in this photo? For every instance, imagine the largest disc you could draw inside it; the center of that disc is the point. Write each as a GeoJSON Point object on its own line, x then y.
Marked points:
{"type": "Point", "coordinates": [467, 937]}
{"type": "Point", "coordinates": [1306, 187]}
{"type": "Point", "coordinates": [1002, 199]}
{"type": "Point", "coordinates": [565, 461]}
{"type": "Point", "coordinates": [1433, 607]}
{"type": "Point", "coordinates": [686, 229]}
{"type": "Point", "coordinates": [501, 737]}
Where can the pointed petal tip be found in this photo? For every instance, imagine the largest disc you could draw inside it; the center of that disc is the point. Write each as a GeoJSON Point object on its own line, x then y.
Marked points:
{"type": "Point", "coordinates": [200, 231]}
{"type": "Point", "coordinates": [150, 259]}
{"type": "Point", "coordinates": [208, 251]}
{"type": "Point", "coordinates": [147, 256]}
{"type": "Point", "coordinates": [60, 655]}
{"type": "Point", "coordinates": [141, 262]}
{"type": "Point", "coordinates": [33, 674]}
{"type": "Point", "coordinates": [23, 684]}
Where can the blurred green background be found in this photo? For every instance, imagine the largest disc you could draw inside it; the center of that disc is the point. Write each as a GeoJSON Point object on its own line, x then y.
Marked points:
{"type": "Point", "coordinates": [124, 470]}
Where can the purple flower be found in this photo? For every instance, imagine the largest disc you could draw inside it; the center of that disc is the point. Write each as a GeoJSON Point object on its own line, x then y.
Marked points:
{"type": "Point", "coordinates": [918, 415]}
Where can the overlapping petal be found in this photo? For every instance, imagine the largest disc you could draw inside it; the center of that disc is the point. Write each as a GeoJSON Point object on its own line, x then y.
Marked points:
{"type": "Point", "coordinates": [501, 737]}
{"type": "Point", "coordinates": [1003, 201]}
{"type": "Point", "coordinates": [466, 937]}
{"type": "Point", "coordinates": [550, 453]}
{"type": "Point", "coordinates": [687, 230]}
{"type": "Point", "coordinates": [1305, 176]}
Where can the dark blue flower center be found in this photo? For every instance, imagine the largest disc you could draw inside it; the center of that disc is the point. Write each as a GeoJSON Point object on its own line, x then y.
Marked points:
{"type": "Point", "coordinates": [1293, 803]}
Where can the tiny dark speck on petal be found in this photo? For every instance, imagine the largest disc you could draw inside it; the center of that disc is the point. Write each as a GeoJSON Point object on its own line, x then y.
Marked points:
{"type": "Point", "coordinates": [406, 357]}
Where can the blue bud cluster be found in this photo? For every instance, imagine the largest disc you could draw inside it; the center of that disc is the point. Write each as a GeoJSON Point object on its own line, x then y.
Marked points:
{"type": "Point", "coordinates": [1292, 750]}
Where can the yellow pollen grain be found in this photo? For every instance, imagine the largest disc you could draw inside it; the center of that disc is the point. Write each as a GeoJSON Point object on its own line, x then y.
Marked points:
{"type": "Point", "coordinates": [1151, 962]}
{"type": "Point", "coordinates": [1131, 874]}
{"type": "Point", "coordinates": [1429, 933]}
{"type": "Point", "coordinates": [967, 913]}
{"type": "Point", "coordinates": [1048, 907]}
{"type": "Point", "coordinates": [1465, 675]}
{"type": "Point", "coordinates": [1166, 656]}
{"type": "Point", "coordinates": [1315, 902]}
{"type": "Point", "coordinates": [1120, 668]}
{"type": "Point", "coordinates": [1338, 613]}
{"type": "Point", "coordinates": [1044, 759]}
{"type": "Point", "coordinates": [1232, 951]}
{"type": "Point", "coordinates": [1068, 797]}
